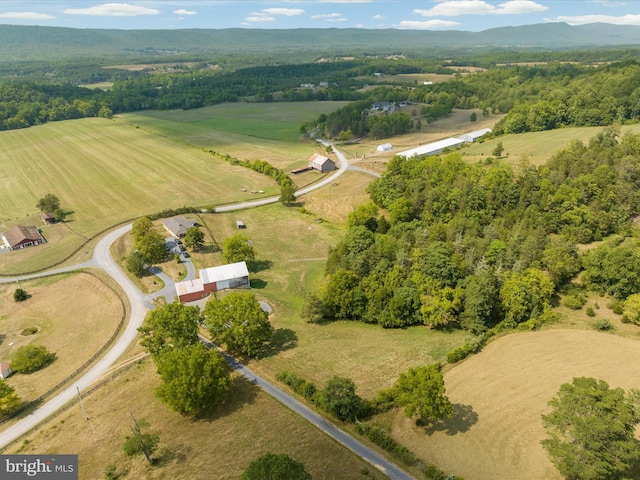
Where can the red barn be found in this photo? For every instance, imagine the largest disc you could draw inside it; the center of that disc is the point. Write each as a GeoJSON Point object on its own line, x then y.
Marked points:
{"type": "Point", "coordinates": [20, 237]}
{"type": "Point", "coordinates": [234, 275]}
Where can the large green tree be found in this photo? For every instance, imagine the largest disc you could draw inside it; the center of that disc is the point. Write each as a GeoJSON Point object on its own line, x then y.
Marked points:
{"type": "Point", "coordinates": [525, 295]}
{"type": "Point", "coordinates": [421, 391]}
{"type": "Point", "coordinates": [591, 430]}
{"type": "Point", "coordinates": [193, 378]}
{"type": "Point", "coordinates": [31, 358]}
{"type": "Point", "coordinates": [272, 466]}
{"type": "Point", "coordinates": [136, 263]}
{"type": "Point", "coordinates": [238, 321]}
{"type": "Point", "coordinates": [174, 325]}
{"type": "Point", "coordinates": [238, 249]}
{"type": "Point", "coordinates": [48, 203]}
{"type": "Point", "coordinates": [9, 400]}
{"type": "Point", "coordinates": [339, 398]}
{"type": "Point", "coordinates": [152, 247]}
{"type": "Point", "coordinates": [194, 238]}
{"type": "Point", "coordinates": [140, 228]}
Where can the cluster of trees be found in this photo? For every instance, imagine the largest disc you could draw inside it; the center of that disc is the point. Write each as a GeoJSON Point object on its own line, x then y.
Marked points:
{"type": "Point", "coordinates": [148, 247]}
{"type": "Point", "coordinates": [480, 245]}
{"type": "Point", "coordinates": [31, 358]}
{"type": "Point", "coordinates": [51, 204]}
{"type": "Point", "coordinates": [238, 248]}
{"type": "Point", "coordinates": [195, 377]}
{"type": "Point", "coordinates": [273, 466]}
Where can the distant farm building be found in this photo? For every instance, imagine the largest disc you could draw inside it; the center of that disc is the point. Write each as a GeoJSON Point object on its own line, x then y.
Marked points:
{"type": "Point", "coordinates": [5, 370]}
{"type": "Point", "coordinates": [48, 218]}
{"type": "Point", "coordinates": [177, 226]}
{"type": "Point", "coordinates": [385, 147]}
{"type": "Point", "coordinates": [433, 148]}
{"type": "Point", "coordinates": [240, 224]}
{"type": "Point", "coordinates": [473, 136]}
{"type": "Point", "coordinates": [322, 164]}
{"type": "Point", "coordinates": [234, 275]}
{"type": "Point", "coordinates": [19, 237]}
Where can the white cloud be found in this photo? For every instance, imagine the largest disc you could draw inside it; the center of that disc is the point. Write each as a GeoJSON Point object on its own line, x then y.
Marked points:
{"type": "Point", "coordinates": [341, 19]}
{"type": "Point", "coordinates": [288, 12]}
{"type": "Point", "coordinates": [26, 16]}
{"type": "Point", "coordinates": [113, 10]}
{"type": "Point", "coordinates": [427, 25]}
{"type": "Point", "coordinates": [584, 19]}
{"type": "Point", "coordinates": [454, 8]}
{"type": "Point", "coordinates": [345, 1]}
{"type": "Point", "coordinates": [378, 17]}
{"type": "Point", "coordinates": [260, 17]}
{"type": "Point", "coordinates": [609, 3]}
{"type": "Point", "coordinates": [328, 15]}
{"type": "Point", "coordinates": [182, 11]}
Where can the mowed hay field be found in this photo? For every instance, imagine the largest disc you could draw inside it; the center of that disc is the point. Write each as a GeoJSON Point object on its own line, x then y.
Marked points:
{"type": "Point", "coordinates": [504, 390]}
{"type": "Point", "coordinates": [219, 445]}
{"type": "Point", "coordinates": [106, 172]}
{"type": "Point", "coordinates": [75, 315]}
{"type": "Point", "coordinates": [265, 131]}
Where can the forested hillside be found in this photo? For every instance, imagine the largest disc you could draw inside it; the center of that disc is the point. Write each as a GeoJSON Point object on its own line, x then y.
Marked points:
{"type": "Point", "coordinates": [486, 245]}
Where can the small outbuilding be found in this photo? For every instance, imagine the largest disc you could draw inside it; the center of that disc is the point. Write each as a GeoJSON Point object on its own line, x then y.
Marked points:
{"type": "Point", "coordinates": [177, 226]}
{"type": "Point", "coordinates": [321, 163]}
{"type": "Point", "coordinates": [19, 237]}
{"type": "Point", "coordinates": [240, 224]}
{"type": "Point", "coordinates": [48, 218]}
{"type": "Point", "coordinates": [385, 147]}
{"type": "Point", "coordinates": [5, 370]}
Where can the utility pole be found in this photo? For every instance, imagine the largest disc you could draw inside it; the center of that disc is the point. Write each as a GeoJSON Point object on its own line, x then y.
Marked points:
{"type": "Point", "coordinates": [84, 412]}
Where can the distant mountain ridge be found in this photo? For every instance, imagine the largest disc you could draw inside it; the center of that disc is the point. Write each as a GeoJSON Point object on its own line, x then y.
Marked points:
{"type": "Point", "coordinates": [37, 43]}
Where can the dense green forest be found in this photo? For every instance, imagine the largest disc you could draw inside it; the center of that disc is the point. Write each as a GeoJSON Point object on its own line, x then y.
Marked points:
{"type": "Point", "coordinates": [485, 245]}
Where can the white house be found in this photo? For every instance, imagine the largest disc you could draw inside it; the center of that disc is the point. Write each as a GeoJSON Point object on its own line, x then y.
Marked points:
{"type": "Point", "coordinates": [385, 147]}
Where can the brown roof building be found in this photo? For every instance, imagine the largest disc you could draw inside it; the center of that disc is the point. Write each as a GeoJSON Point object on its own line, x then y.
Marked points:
{"type": "Point", "coordinates": [321, 163]}
{"type": "Point", "coordinates": [19, 237]}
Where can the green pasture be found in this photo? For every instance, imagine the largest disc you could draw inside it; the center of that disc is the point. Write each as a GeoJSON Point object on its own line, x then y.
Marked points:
{"type": "Point", "coordinates": [536, 147]}
{"type": "Point", "coordinates": [418, 78]}
{"type": "Point", "coordinates": [266, 131]}
{"type": "Point", "coordinates": [106, 172]}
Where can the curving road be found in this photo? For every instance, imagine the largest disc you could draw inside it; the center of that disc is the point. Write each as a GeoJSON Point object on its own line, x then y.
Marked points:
{"type": "Point", "coordinates": [140, 304]}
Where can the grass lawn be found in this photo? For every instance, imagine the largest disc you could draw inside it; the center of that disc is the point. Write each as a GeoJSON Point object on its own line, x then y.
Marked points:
{"type": "Point", "coordinates": [105, 172]}
{"type": "Point", "coordinates": [296, 247]}
{"type": "Point", "coordinates": [219, 445]}
{"type": "Point", "coordinates": [266, 131]}
{"type": "Point", "coordinates": [75, 315]}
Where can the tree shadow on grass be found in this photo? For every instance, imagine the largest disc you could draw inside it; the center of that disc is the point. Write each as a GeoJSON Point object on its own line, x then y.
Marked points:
{"type": "Point", "coordinates": [283, 339]}
{"type": "Point", "coordinates": [208, 248]}
{"type": "Point", "coordinates": [241, 392]}
{"type": "Point", "coordinates": [256, 266]}
{"type": "Point", "coordinates": [257, 283]}
{"type": "Point", "coordinates": [2, 337]}
{"type": "Point", "coordinates": [461, 421]}
{"type": "Point", "coordinates": [176, 454]}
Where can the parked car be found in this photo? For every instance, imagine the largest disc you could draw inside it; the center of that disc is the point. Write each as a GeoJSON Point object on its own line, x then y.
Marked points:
{"type": "Point", "coordinates": [185, 255]}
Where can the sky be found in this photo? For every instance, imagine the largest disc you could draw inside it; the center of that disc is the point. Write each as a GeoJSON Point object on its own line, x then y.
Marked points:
{"type": "Point", "coordinates": [470, 15]}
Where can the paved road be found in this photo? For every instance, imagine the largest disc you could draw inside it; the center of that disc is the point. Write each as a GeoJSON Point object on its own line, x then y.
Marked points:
{"type": "Point", "coordinates": [139, 304]}
{"type": "Point", "coordinates": [363, 170]}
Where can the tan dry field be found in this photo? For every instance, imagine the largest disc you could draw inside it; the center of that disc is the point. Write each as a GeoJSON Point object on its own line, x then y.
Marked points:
{"type": "Point", "coordinates": [76, 314]}
{"type": "Point", "coordinates": [220, 445]}
{"type": "Point", "coordinates": [503, 391]}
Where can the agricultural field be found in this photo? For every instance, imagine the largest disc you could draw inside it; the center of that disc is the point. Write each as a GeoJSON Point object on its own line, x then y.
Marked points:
{"type": "Point", "coordinates": [57, 307]}
{"type": "Point", "coordinates": [500, 394]}
{"type": "Point", "coordinates": [265, 131]}
{"type": "Point", "coordinates": [417, 78]}
{"type": "Point", "coordinates": [221, 442]}
{"type": "Point", "coordinates": [106, 172]}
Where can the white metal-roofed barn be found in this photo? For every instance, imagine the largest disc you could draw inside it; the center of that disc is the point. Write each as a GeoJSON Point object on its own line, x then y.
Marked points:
{"type": "Point", "coordinates": [385, 147]}
{"type": "Point", "coordinates": [234, 275]}
{"type": "Point", "coordinates": [472, 136]}
{"type": "Point", "coordinates": [433, 148]}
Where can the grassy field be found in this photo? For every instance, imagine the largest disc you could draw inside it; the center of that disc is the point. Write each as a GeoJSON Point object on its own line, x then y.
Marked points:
{"type": "Point", "coordinates": [266, 131]}
{"type": "Point", "coordinates": [500, 394]}
{"type": "Point", "coordinates": [219, 445]}
{"type": "Point", "coordinates": [417, 78]}
{"type": "Point", "coordinates": [58, 307]}
{"type": "Point", "coordinates": [105, 172]}
{"type": "Point", "coordinates": [536, 147]}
